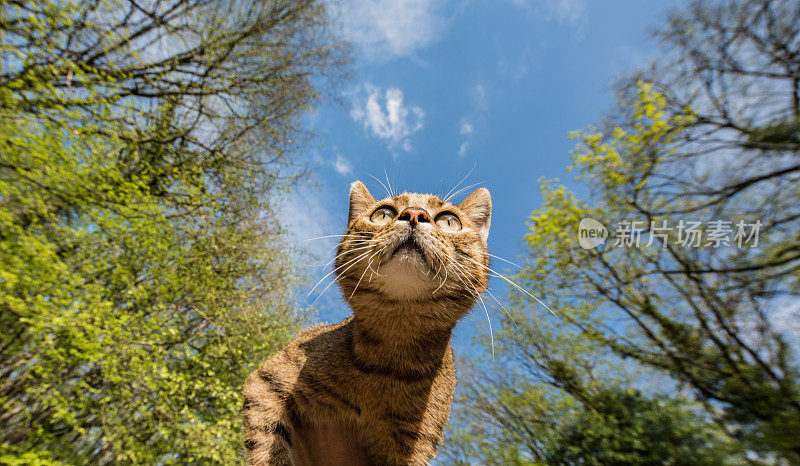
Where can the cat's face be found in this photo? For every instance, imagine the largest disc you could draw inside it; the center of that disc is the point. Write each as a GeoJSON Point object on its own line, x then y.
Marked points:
{"type": "Point", "coordinates": [414, 247]}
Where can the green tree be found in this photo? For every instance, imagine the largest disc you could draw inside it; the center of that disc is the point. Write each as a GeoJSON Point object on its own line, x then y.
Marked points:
{"type": "Point", "coordinates": [554, 396]}
{"type": "Point", "coordinates": [708, 134]}
{"type": "Point", "coordinates": [142, 272]}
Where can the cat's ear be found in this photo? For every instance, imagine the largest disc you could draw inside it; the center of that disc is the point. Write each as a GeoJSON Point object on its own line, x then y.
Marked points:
{"type": "Point", "coordinates": [478, 208]}
{"type": "Point", "coordinates": [360, 199]}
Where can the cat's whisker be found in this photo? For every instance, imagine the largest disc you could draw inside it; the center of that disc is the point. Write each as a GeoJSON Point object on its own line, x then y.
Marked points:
{"type": "Point", "coordinates": [436, 275]}
{"type": "Point", "coordinates": [391, 190]}
{"type": "Point", "coordinates": [334, 271]}
{"type": "Point", "coordinates": [369, 265]}
{"type": "Point", "coordinates": [362, 241]}
{"type": "Point", "coordinates": [338, 275]}
{"type": "Point", "coordinates": [373, 271]}
{"type": "Point", "coordinates": [504, 260]}
{"type": "Point", "coordinates": [491, 333]}
{"type": "Point", "coordinates": [441, 265]}
{"type": "Point", "coordinates": [349, 251]}
{"type": "Point", "coordinates": [358, 242]}
{"type": "Point", "coordinates": [331, 236]}
{"type": "Point", "coordinates": [471, 288]}
{"type": "Point", "coordinates": [447, 196]}
{"type": "Point", "coordinates": [349, 242]}
{"type": "Point", "coordinates": [385, 188]}
{"type": "Point", "coordinates": [510, 282]}
{"type": "Point", "coordinates": [465, 272]}
{"type": "Point", "coordinates": [378, 270]}
{"type": "Point", "coordinates": [504, 309]}
{"type": "Point", "coordinates": [464, 189]}
{"type": "Point", "coordinates": [361, 278]}
{"type": "Point", "coordinates": [319, 296]}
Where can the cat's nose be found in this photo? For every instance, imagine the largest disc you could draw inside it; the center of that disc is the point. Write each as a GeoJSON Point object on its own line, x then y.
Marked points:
{"type": "Point", "coordinates": [414, 215]}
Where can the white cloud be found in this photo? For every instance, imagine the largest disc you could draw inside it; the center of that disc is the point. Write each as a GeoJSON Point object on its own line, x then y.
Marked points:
{"type": "Point", "coordinates": [465, 129]}
{"type": "Point", "coordinates": [566, 11]}
{"type": "Point", "coordinates": [479, 97]}
{"type": "Point", "coordinates": [343, 166]}
{"type": "Point", "coordinates": [569, 12]}
{"type": "Point", "coordinates": [389, 28]}
{"type": "Point", "coordinates": [391, 119]}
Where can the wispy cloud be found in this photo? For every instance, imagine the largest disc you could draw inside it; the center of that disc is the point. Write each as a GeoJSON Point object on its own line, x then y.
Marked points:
{"type": "Point", "coordinates": [479, 98]}
{"type": "Point", "coordinates": [343, 166]}
{"type": "Point", "coordinates": [386, 29]}
{"type": "Point", "coordinates": [386, 116]}
{"type": "Point", "coordinates": [568, 12]}
{"type": "Point", "coordinates": [474, 118]}
{"type": "Point", "coordinates": [465, 129]}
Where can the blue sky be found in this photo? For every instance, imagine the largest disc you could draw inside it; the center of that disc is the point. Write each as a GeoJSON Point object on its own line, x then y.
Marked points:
{"type": "Point", "coordinates": [441, 87]}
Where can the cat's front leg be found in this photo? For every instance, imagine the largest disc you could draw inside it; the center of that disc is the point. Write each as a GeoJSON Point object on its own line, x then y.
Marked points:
{"type": "Point", "coordinates": [268, 428]}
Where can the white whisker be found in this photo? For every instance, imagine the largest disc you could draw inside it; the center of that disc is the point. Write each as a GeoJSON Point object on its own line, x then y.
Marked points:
{"type": "Point", "coordinates": [330, 236]}
{"type": "Point", "coordinates": [504, 260]}
{"type": "Point", "coordinates": [349, 251]}
{"type": "Point", "coordinates": [368, 267]}
{"type": "Point", "coordinates": [334, 271]}
{"type": "Point", "coordinates": [510, 282]}
{"type": "Point", "coordinates": [388, 191]}
{"type": "Point", "coordinates": [391, 190]}
{"type": "Point", "coordinates": [504, 309]}
{"type": "Point", "coordinates": [465, 188]}
{"type": "Point", "coordinates": [475, 293]}
{"type": "Point", "coordinates": [447, 196]}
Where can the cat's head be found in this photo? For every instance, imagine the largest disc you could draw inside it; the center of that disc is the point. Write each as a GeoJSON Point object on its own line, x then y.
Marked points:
{"type": "Point", "coordinates": [414, 247]}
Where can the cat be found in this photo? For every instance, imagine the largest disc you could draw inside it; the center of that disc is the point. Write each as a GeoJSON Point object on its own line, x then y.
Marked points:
{"type": "Point", "coordinates": [377, 387]}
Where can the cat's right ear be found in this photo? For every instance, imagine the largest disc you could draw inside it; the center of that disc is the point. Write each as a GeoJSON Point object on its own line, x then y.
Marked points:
{"type": "Point", "coordinates": [360, 199]}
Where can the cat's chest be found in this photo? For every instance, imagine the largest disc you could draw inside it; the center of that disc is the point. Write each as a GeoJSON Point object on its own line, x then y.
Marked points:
{"type": "Point", "coordinates": [328, 443]}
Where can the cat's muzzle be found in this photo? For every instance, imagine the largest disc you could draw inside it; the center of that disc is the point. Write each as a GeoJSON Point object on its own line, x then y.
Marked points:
{"type": "Point", "coordinates": [408, 246]}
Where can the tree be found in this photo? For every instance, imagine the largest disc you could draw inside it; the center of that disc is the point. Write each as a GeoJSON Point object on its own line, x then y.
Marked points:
{"type": "Point", "coordinates": [705, 141]}
{"type": "Point", "coordinates": [142, 273]}
{"type": "Point", "coordinates": [554, 396]}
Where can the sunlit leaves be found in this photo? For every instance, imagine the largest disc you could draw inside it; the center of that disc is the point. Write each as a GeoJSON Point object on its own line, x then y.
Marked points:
{"type": "Point", "coordinates": [141, 275]}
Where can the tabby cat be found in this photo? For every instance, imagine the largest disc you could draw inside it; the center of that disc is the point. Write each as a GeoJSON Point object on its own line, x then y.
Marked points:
{"type": "Point", "coordinates": [377, 387]}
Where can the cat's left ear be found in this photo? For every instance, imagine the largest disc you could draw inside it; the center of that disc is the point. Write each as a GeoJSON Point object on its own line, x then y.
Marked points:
{"type": "Point", "coordinates": [360, 199]}
{"type": "Point", "coordinates": [478, 208]}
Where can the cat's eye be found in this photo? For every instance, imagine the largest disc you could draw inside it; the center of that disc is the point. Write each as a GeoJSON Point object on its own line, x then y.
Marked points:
{"type": "Point", "coordinates": [448, 221]}
{"type": "Point", "coordinates": [383, 215]}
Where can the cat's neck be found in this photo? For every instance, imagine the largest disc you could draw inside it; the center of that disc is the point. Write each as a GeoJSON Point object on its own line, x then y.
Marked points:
{"type": "Point", "coordinates": [406, 339]}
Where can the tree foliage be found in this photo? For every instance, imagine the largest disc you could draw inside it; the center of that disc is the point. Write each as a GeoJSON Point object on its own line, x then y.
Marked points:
{"type": "Point", "coordinates": [707, 134]}
{"type": "Point", "coordinates": [142, 272]}
{"type": "Point", "coordinates": [554, 396]}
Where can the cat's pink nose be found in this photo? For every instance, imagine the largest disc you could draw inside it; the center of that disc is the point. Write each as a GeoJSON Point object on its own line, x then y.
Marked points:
{"type": "Point", "coordinates": [414, 215]}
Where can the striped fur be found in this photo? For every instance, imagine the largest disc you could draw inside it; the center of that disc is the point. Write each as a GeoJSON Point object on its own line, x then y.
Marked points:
{"type": "Point", "coordinates": [376, 388]}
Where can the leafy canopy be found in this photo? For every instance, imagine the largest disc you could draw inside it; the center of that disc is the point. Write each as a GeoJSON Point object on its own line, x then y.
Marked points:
{"type": "Point", "coordinates": [142, 272]}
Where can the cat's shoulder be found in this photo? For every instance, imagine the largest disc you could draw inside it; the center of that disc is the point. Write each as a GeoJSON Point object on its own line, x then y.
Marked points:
{"type": "Point", "coordinates": [326, 341]}
{"type": "Point", "coordinates": [323, 332]}
{"type": "Point", "coordinates": [330, 339]}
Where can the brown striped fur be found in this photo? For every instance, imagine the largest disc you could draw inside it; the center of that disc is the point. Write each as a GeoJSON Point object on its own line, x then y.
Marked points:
{"type": "Point", "coordinates": [377, 387]}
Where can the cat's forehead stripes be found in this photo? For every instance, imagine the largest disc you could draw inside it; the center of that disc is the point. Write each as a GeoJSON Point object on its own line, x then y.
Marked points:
{"type": "Point", "coordinates": [429, 201]}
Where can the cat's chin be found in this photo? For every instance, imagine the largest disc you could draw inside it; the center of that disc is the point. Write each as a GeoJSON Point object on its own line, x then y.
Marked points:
{"type": "Point", "coordinates": [406, 275]}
